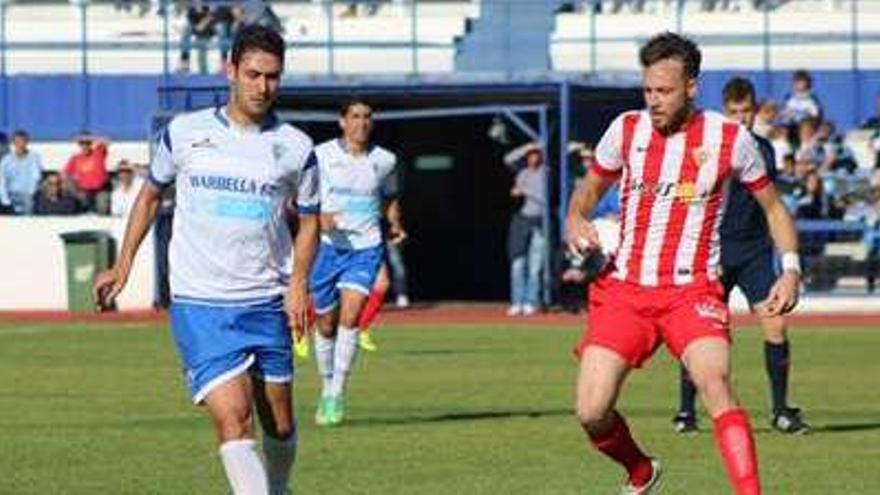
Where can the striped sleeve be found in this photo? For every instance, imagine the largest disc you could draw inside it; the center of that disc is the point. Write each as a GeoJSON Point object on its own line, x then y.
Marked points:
{"type": "Point", "coordinates": [748, 162]}
{"type": "Point", "coordinates": [609, 155]}
{"type": "Point", "coordinates": [162, 169]}
{"type": "Point", "coordinates": [308, 188]}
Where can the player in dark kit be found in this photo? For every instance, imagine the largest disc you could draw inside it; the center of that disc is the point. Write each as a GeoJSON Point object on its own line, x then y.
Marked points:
{"type": "Point", "coordinates": [748, 261]}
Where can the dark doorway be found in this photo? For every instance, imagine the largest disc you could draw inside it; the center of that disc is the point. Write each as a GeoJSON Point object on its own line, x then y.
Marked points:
{"type": "Point", "coordinates": [456, 204]}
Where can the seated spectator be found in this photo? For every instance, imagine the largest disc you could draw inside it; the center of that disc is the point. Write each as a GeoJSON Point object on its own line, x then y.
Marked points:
{"type": "Point", "coordinates": [125, 191]}
{"type": "Point", "coordinates": [781, 145]}
{"type": "Point", "coordinates": [801, 103]}
{"type": "Point", "coordinates": [4, 144]}
{"type": "Point", "coordinates": [836, 154]}
{"type": "Point", "coordinates": [814, 204]}
{"type": "Point", "coordinates": [258, 12]}
{"type": "Point", "coordinates": [808, 141]}
{"type": "Point", "coordinates": [201, 24]}
{"type": "Point", "coordinates": [87, 170]}
{"type": "Point", "coordinates": [21, 170]}
{"type": "Point", "coordinates": [52, 199]}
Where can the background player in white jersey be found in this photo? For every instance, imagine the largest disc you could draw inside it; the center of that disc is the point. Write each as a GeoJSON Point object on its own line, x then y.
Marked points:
{"type": "Point", "coordinates": [675, 163]}
{"type": "Point", "coordinates": [358, 186]}
{"type": "Point", "coordinates": [237, 171]}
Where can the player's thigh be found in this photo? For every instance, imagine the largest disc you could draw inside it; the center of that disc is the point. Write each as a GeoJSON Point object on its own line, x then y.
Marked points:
{"type": "Point", "coordinates": [695, 312]}
{"type": "Point", "coordinates": [324, 278]}
{"type": "Point", "coordinates": [707, 360]}
{"type": "Point", "coordinates": [229, 404]}
{"type": "Point", "coordinates": [615, 321]}
{"type": "Point", "coordinates": [211, 349]}
{"type": "Point", "coordinates": [757, 276]}
{"type": "Point", "coordinates": [602, 372]}
{"type": "Point", "coordinates": [356, 281]}
{"type": "Point", "coordinates": [274, 405]}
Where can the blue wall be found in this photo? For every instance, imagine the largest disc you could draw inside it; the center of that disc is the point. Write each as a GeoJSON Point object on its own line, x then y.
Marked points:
{"type": "Point", "coordinates": [55, 107]}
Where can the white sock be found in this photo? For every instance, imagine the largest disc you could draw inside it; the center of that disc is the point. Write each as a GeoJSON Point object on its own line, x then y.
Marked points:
{"type": "Point", "coordinates": [324, 349]}
{"type": "Point", "coordinates": [280, 455]}
{"type": "Point", "coordinates": [244, 470]}
{"type": "Point", "coordinates": [343, 359]}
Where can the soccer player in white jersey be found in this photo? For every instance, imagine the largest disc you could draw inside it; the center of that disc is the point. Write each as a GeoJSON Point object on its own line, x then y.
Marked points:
{"type": "Point", "coordinates": [239, 174]}
{"type": "Point", "coordinates": [675, 163]}
{"type": "Point", "coordinates": [358, 186]}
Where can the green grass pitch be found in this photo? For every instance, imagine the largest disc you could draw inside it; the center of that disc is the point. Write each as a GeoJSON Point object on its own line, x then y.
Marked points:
{"type": "Point", "coordinates": [90, 409]}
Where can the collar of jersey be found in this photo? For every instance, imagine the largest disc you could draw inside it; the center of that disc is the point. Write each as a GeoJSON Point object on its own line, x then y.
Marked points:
{"type": "Point", "coordinates": [269, 122]}
{"type": "Point", "coordinates": [341, 143]}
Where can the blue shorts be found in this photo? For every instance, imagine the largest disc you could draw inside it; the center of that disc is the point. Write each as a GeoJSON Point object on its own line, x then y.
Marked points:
{"type": "Point", "coordinates": [754, 276]}
{"type": "Point", "coordinates": [336, 269]}
{"type": "Point", "coordinates": [217, 343]}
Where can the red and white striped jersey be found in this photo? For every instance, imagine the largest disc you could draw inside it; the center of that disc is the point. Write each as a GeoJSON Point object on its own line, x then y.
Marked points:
{"type": "Point", "coordinates": [673, 190]}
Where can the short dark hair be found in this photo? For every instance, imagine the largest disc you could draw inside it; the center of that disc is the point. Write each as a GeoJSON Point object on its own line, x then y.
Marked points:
{"type": "Point", "coordinates": [20, 133]}
{"type": "Point", "coordinates": [670, 45]}
{"type": "Point", "coordinates": [738, 89]}
{"type": "Point", "coordinates": [352, 101]}
{"type": "Point", "coordinates": [803, 75]}
{"type": "Point", "coordinates": [256, 37]}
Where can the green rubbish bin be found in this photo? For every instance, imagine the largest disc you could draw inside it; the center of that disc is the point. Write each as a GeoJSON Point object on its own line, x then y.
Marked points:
{"type": "Point", "coordinates": [87, 252]}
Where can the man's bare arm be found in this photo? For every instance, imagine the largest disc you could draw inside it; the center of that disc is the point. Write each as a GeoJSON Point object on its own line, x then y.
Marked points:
{"type": "Point", "coordinates": [110, 283]}
{"type": "Point", "coordinates": [580, 234]}
{"type": "Point", "coordinates": [784, 293]}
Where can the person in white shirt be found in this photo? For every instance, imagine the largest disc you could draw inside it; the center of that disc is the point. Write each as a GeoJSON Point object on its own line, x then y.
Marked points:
{"type": "Point", "coordinates": [358, 187]}
{"type": "Point", "coordinates": [240, 173]}
{"type": "Point", "coordinates": [125, 192]}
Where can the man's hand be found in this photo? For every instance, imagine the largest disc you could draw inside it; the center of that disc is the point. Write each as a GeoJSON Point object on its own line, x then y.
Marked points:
{"type": "Point", "coordinates": [299, 308]}
{"type": "Point", "coordinates": [580, 235]}
{"type": "Point", "coordinates": [396, 234]}
{"type": "Point", "coordinates": [327, 221]}
{"type": "Point", "coordinates": [108, 284]}
{"type": "Point", "coordinates": [783, 295]}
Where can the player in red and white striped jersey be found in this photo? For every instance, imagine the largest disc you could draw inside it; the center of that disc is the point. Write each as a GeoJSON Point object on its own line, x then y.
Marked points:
{"type": "Point", "coordinates": [675, 163]}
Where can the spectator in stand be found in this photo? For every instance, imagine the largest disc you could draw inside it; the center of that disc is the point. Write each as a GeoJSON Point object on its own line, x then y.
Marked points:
{"type": "Point", "coordinates": [873, 124]}
{"type": "Point", "coordinates": [786, 182]}
{"type": "Point", "coordinates": [87, 170]}
{"type": "Point", "coordinates": [801, 103]}
{"type": "Point", "coordinates": [814, 204]}
{"type": "Point", "coordinates": [125, 191]}
{"type": "Point", "coordinates": [4, 144]}
{"type": "Point", "coordinates": [778, 138]}
{"type": "Point", "coordinates": [201, 25]}
{"type": "Point", "coordinates": [808, 143]}
{"type": "Point", "coordinates": [836, 154]}
{"type": "Point", "coordinates": [21, 170]}
{"type": "Point", "coordinates": [258, 12]}
{"type": "Point", "coordinates": [526, 242]}
{"type": "Point", "coordinates": [52, 199]}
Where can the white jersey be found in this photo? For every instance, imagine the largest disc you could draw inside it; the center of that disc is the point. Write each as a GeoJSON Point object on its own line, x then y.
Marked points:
{"type": "Point", "coordinates": [353, 189]}
{"type": "Point", "coordinates": [230, 241]}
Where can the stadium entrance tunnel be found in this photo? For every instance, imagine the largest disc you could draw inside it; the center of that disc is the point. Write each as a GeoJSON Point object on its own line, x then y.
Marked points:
{"type": "Point", "coordinates": [450, 140]}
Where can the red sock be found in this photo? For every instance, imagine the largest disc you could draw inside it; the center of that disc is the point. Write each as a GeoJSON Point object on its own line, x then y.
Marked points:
{"type": "Point", "coordinates": [733, 433]}
{"type": "Point", "coordinates": [618, 444]}
{"type": "Point", "coordinates": [371, 309]}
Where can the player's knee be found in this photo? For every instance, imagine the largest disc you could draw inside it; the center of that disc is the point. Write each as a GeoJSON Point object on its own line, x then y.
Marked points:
{"type": "Point", "coordinates": [235, 425]}
{"type": "Point", "coordinates": [280, 431]}
{"type": "Point", "coordinates": [774, 329]}
{"type": "Point", "coordinates": [590, 416]}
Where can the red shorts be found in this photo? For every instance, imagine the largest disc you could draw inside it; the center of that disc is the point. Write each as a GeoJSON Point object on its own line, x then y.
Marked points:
{"type": "Point", "coordinates": [632, 320]}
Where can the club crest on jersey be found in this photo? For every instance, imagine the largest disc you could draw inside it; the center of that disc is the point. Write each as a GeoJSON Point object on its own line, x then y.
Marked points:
{"type": "Point", "coordinates": [700, 156]}
{"type": "Point", "coordinates": [711, 311]}
{"type": "Point", "coordinates": [278, 150]}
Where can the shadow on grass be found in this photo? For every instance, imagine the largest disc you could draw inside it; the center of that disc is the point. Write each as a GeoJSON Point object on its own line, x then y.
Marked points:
{"type": "Point", "coordinates": [460, 416]}
{"type": "Point", "coordinates": [846, 427]}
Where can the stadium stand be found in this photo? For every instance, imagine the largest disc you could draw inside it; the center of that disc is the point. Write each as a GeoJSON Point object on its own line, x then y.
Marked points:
{"type": "Point", "coordinates": [45, 38]}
